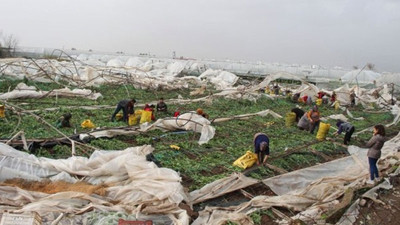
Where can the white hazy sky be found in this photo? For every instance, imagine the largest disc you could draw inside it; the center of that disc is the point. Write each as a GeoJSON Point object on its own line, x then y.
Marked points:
{"type": "Point", "coordinates": [324, 32]}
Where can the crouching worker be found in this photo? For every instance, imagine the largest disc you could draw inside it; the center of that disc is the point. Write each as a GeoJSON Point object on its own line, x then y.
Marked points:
{"type": "Point", "coordinates": [150, 108]}
{"type": "Point", "coordinates": [200, 112]}
{"type": "Point", "coordinates": [261, 147]}
{"type": "Point", "coordinates": [347, 128]}
{"type": "Point", "coordinates": [314, 117]}
{"type": "Point", "coordinates": [127, 107]}
{"type": "Point", "coordinates": [304, 123]}
{"type": "Point", "coordinates": [299, 113]}
{"type": "Point", "coordinates": [64, 121]}
{"type": "Point", "coordinates": [161, 106]}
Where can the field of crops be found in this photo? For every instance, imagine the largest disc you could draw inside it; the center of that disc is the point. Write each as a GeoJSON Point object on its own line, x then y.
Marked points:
{"type": "Point", "coordinates": [197, 164]}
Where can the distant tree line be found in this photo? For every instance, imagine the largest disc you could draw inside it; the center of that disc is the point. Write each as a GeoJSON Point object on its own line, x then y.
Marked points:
{"type": "Point", "coordinates": [8, 45]}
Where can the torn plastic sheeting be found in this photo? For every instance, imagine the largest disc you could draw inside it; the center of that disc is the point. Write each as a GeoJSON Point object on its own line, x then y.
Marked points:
{"type": "Point", "coordinates": [220, 187]}
{"type": "Point", "coordinates": [214, 216]}
{"type": "Point", "coordinates": [372, 193]}
{"type": "Point", "coordinates": [310, 193]}
{"type": "Point", "coordinates": [135, 181]}
{"type": "Point", "coordinates": [187, 121]}
{"type": "Point", "coordinates": [221, 79]}
{"type": "Point", "coordinates": [336, 117]}
{"type": "Point", "coordinates": [351, 116]}
{"type": "Point", "coordinates": [107, 133]}
{"type": "Point", "coordinates": [17, 164]}
{"type": "Point", "coordinates": [24, 91]}
{"type": "Point", "coordinates": [351, 214]}
{"type": "Point", "coordinates": [98, 217]}
{"type": "Point", "coordinates": [279, 75]}
{"type": "Point", "coordinates": [396, 112]}
{"type": "Point", "coordinates": [299, 179]}
{"type": "Point", "coordinates": [261, 113]}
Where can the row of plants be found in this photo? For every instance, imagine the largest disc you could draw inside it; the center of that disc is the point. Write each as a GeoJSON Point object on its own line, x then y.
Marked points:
{"type": "Point", "coordinates": [198, 164]}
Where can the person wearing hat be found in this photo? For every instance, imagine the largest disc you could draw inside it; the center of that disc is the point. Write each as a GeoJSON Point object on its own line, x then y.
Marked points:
{"type": "Point", "coordinates": [314, 117]}
{"type": "Point", "coordinates": [127, 107]}
{"type": "Point", "coordinates": [348, 128]}
{"type": "Point", "coordinates": [200, 112]}
{"type": "Point", "coordinates": [261, 147]}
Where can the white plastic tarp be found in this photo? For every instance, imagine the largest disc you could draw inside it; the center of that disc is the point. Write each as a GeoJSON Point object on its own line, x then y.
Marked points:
{"type": "Point", "coordinates": [361, 76]}
{"type": "Point", "coordinates": [187, 121]}
{"type": "Point", "coordinates": [24, 91]}
{"type": "Point", "coordinates": [221, 79]}
{"type": "Point", "coordinates": [311, 190]}
{"type": "Point", "coordinates": [135, 185]}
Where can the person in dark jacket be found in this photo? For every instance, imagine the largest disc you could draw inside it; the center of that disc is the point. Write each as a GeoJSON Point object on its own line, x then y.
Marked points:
{"type": "Point", "coordinates": [299, 113]}
{"type": "Point", "coordinates": [295, 97]}
{"type": "Point", "coordinates": [127, 107]}
{"type": "Point", "coordinates": [64, 121]}
{"type": "Point", "coordinates": [261, 147]}
{"type": "Point", "coordinates": [375, 145]}
{"type": "Point", "coordinates": [352, 99]}
{"type": "Point", "coordinates": [161, 106]}
{"type": "Point", "coordinates": [347, 128]}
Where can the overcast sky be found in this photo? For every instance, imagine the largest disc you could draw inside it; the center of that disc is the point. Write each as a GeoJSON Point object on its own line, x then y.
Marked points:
{"type": "Point", "coordinates": [320, 32]}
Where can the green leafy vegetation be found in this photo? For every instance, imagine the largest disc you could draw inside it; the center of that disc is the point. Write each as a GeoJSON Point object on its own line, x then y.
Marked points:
{"type": "Point", "coordinates": [198, 164]}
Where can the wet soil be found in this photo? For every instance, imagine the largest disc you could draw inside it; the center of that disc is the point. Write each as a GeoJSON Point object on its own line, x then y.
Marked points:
{"type": "Point", "coordinates": [383, 214]}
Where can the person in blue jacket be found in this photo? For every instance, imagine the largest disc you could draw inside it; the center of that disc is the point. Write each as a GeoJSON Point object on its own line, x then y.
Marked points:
{"type": "Point", "coordinates": [348, 128]}
{"type": "Point", "coordinates": [261, 147]}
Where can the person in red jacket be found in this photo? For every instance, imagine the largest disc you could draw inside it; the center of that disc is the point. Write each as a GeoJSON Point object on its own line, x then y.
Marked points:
{"type": "Point", "coordinates": [333, 97]}
{"type": "Point", "coordinates": [150, 108]}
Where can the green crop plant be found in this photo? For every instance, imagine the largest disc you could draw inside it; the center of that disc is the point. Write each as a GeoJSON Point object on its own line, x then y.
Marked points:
{"type": "Point", "coordinates": [202, 163]}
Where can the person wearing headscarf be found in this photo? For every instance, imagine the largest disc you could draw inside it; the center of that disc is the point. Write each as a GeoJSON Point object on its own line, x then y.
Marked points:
{"type": "Point", "coordinates": [314, 117]}
{"type": "Point", "coordinates": [348, 128]}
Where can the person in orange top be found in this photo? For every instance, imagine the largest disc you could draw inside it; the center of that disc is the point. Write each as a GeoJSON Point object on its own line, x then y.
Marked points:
{"type": "Point", "coordinates": [314, 117]}
{"type": "Point", "coordinates": [200, 112]}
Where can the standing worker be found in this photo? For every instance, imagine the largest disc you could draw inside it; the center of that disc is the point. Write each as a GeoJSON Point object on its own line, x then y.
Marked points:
{"type": "Point", "coordinates": [347, 128]}
{"type": "Point", "coordinates": [127, 107]}
{"type": "Point", "coordinates": [314, 117]}
{"type": "Point", "coordinates": [261, 147]}
{"type": "Point", "coordinates": [333, 97]}
{"type": "Point", "coordinates": [352, 99]}
{"type": "Point", "coordinates": [375, 145]}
